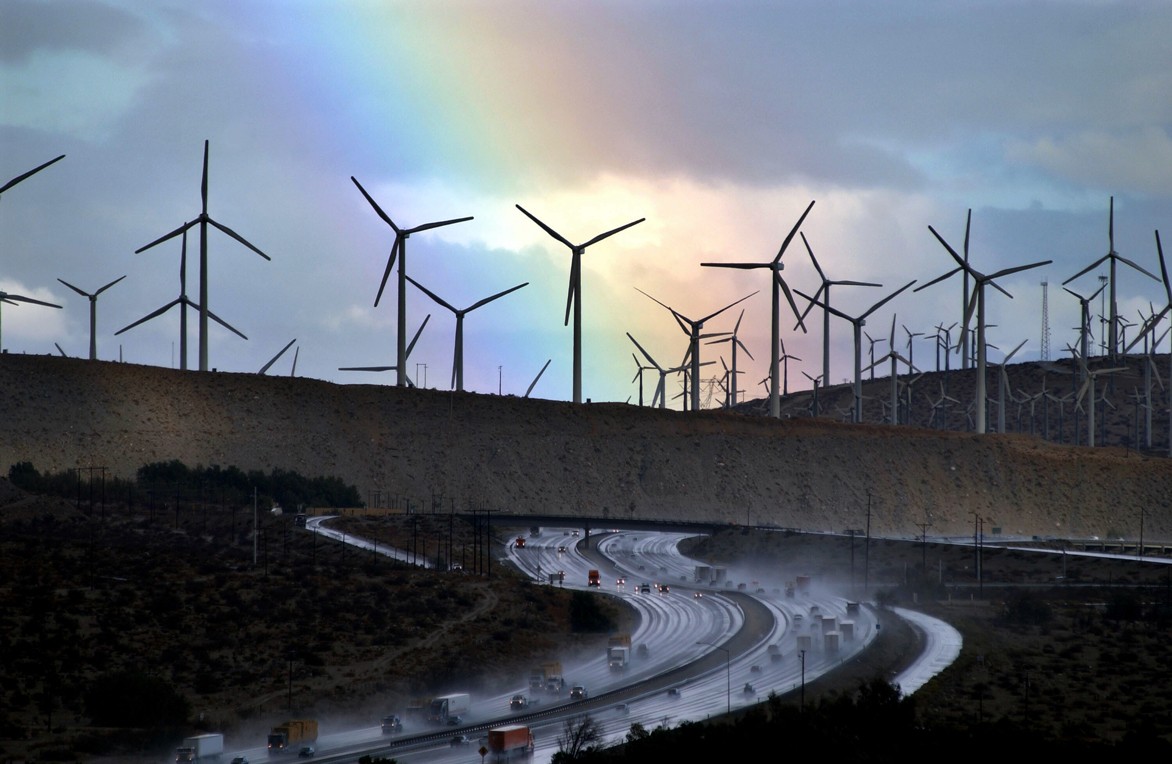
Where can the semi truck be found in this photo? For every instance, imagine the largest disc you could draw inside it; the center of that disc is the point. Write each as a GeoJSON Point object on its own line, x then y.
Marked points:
{"type": "Point", "coordinates": [510, 741]}
{"type": "Point", "coordinates": [291, 733]}
{"type": "Point", "coordinates": [593, 578]}
{"type": "Point", "coordinates": [540, 677]}
{"type": "Point", "coordinates": [618, 652]}
{"type": "Point", "coordinates": [200, 748]}
{"type": "Point", "coordinates": [446, 708]}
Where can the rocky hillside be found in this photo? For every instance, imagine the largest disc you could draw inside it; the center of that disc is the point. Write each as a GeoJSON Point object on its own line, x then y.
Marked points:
{"type": "Point", "coordinates": [462, 450]}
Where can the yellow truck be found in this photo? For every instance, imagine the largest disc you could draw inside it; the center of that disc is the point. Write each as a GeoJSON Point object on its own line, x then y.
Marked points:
{"type": "Point", "coordinates": [291, 733]}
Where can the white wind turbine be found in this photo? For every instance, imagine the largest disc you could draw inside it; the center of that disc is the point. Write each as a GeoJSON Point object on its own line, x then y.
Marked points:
{"type": "Point", "coordinates": [574, 294]}
{"type": "Point", "coordinates": [1114, 258]}
{"type": "Point", "coordinates": [203, 220]}
{"type": "Point", "coordinates": [1156, 318]}
{"type": "Point", "coordinates": [977, 304]}
{"type": "Point", "coordinates": [93, 298]}
{"type": "Point", "coordinates": [1092, 375]}
{"type": "Point", "coordinates": [399, 251]}
{"type": "Point", "coordinates": [894, 356]}
{"type": "Point", "coordinates": [184, 303]}
{"type": "Point", "coordinates": [13, 299]}
{"type": "Point", "coordinates": [823, 291]}
{"type": "Point", "coordinates": [1084, 330]}
{"type": "Point", "coordinates": [692, 327]}
{"type": "Point", "coordinates": [1003, 387]}
{"type": "Point", "coordinates": [661, 385]}
{"type": "Point", "coordinates": [778, 284]}
{"type": "Point", "coordinates": [734, 341]}
{"type": "Point", "coordinates": [857, 323]}
{"type": "Point", "coordinates": [458, 357]}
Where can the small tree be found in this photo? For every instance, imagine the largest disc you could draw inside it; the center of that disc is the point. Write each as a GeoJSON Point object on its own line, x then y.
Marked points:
{"type": "Point", "coordinates": [580, 735]}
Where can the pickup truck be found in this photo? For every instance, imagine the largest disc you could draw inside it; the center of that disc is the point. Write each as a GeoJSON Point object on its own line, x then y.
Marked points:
{"type": "Point", "coordinates": [520, 703]}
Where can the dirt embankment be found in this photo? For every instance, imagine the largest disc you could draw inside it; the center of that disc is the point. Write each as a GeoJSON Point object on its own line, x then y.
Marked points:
{"type": "Point", "coordinates": [614, 460]}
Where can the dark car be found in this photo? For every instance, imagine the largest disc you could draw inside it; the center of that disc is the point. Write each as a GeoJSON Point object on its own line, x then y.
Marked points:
{"type": "Point", "coordinates": [459, 740]}
{"type": "Point", "coordinates": [306, 752]}
{"type": "Point", "coordinates": [240, 760]}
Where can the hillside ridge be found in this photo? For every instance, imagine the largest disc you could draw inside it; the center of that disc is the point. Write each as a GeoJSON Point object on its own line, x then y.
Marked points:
{"type": "Point", "coordinates": [447, 451]}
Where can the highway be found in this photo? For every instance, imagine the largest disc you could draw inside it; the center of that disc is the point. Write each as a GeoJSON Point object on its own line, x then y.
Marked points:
{"type": "Point", "coordinates": [709, 647]}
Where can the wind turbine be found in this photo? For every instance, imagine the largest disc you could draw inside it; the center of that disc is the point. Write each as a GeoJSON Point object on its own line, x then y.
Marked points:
{"type": "Point", "coordinates": [857, 323]}
{"type": "Point", "coordinates": [273, 360]}
{"type": "Point", "coordinates": [977, 303]}
{"type": "Point", "coordinates": [183, 302]}
{"type": "Point", "coordinates": [823, 291]}
{"type": "Point", "coordinates": [1003, 387]}
{"type": "Point", "coordinates": [28, 174]}
{"type": "Point", "coordinates": [778, 283]}
{"type": "Point", "coordinates": [203, 220]}
{"type": "Point", "coordinates": [734, 341]}
{"type": "Point", "coordinates": [1114, 258]}
{"type": "Point", "coordinates": [661, 386]}
{"type": "Point", "coordinates": [406, 355]}
{"type": "Point", "coordinates": [13, 299]}
{"type": "Point", "coordinates": [574, 293]}
{"type": "Point", "coordinates": [1155, 319]}
{"type": "Point", "coordinates": [814, 403]}
{"type": "Point", "coordinates": [1092, 374]}
{"type": "Point", "coordinates": [895, 357]}
{"type": "Point", "coordinates": [93, 312]}
{"type": "Point", "coordinates": [458, 356]}
{"type": "Point", "coordinates": [399, 249]}
{"type": "Point", "coordinates": [1084, 330]}
{"type": "Point", "coordinates": [640, 368]}
{"type": "Point", "coordinates": [692, 327]}
{"type": "Point", "coordinates": [785, 359]}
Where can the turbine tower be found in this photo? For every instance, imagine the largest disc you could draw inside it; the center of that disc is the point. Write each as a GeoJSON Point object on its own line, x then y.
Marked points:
{"type": "Point", "coordinates": [574, 293]}
{"type": "Point", "coordinates": [93, 312]}
{"type": "Point", "coordinates": [778, 283]}
{"type": "Point", "coordinates": [399, 250]}
{"type": "Point", "coordinates": [458, 357]}
{"type": "Point", "coordinates": [692, 327]}
{"type": "Point", "coordinates": [1114, 258]}
{"type": "Point", "coordinates": [977, 304]}
{"type": "Point", "coordinates": [203, 220]}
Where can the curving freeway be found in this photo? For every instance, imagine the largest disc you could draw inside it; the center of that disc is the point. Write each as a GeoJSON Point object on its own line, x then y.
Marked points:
{"type": "Point", "coordinates": [699, 649]}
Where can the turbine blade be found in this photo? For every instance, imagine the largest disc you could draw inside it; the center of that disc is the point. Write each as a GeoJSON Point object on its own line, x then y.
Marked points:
{"type": "Point", "coordinates": [419, 331]}
{"type": "Point", "coordinates": [726, 307]}
{"type": "Point", "coordinates": [645, 353]}
{"type": "Point", "coordinates": [112, 283]}
{"type": "Point", "coordinates": [366, 368]}
{"type": "Point", "coordinates": [31, 172]}
{"type": "Point", "coordinates": [226, 325]}
{"type": "Point", "coordinates": [265, 368]}
{"type": "Point", "coordinates": [1016, 268]}
{"type": "Point", "coordinates": [735, 265]}
{"type": "Point", "coordinates": [238, 238]}
{"type": "Point", "coordinates": [390, 264]}
{"type": "Point", "coordinates": [1090, 267]}
{"type": "Point", "coordinates": [18, 298]}
{"type": "Point", "coordinates": [1133, 265]}
{"type": "Point", "coordinates": [790, 299]}
{"type": "Point", "coordinates": [814, 260]}
{"type": "Point", "coordinates": [546, 228]}
{"type": "Point", "coordinates": [386, 218]}
{"type": "Point", "coordinates": [792, 232]}
{"type": "Point", "coordinates": [963, 263]}
{"type": "Point", "coordinates": [534, 382]}
{"type": "Point", "coordinates": [293, 371]}
{"type": "Point", "coordinates": [181, 229]}
{"type": "Point", "coordinates": [938, 279]}
{"type": "Point", "coordinates": [887, 299]}
{"type": "Point", "coordinates": [149, 316]}
{"type": "Point", "coordinates": [496, 296]}
{"type": "Point", "coordinates": [575, 274]}
{"type": "Point", "coordinates": [612, 232]}
{"type": "Point", "coordinates": [432, 295]}
{"type": "Point", "coordinates": [428, 226]}
{"type": "Point", "coordinates": [71, 286]}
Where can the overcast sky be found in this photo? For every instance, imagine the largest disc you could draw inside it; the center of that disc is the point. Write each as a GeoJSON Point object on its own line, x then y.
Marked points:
{"type": "Point", "coordinates": [718, 122]}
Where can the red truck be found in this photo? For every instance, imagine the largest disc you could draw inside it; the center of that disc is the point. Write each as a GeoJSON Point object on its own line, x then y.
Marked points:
{"type": "Point", "coordinates": [594, 579]}
{"type": "Point", "coordinates": [514, 740]}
